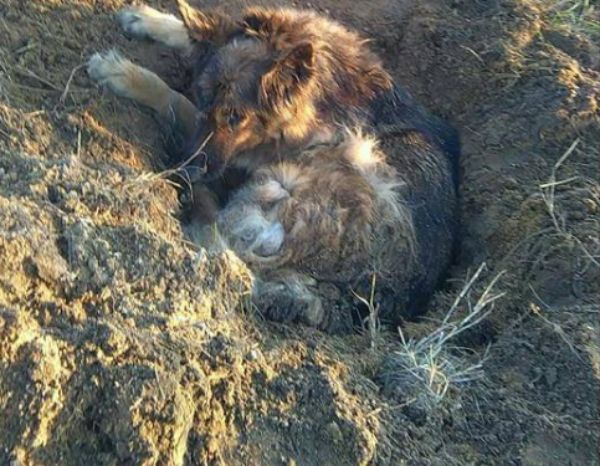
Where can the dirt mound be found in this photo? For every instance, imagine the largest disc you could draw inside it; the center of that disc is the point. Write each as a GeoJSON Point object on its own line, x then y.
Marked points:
{"type": "Point", "coordinates": [123, 343]}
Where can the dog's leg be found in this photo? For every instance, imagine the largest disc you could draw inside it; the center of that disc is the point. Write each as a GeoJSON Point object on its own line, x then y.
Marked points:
{"type": "Point", "coordinates": [128, 80]}
{"type": "Point", "coordinates": [143, 22]}
{"type": "Point", "coordinates": [204, 205]}
{"type": "Point", "coordinates": [290, 297]}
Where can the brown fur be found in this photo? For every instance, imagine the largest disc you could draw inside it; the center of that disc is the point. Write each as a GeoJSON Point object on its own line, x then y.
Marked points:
{"type": "Point", "coordinates": [345, 216]}
{"type": "Point", "coordinates": [281, 78]}
{"type": "Point", "coordinates": [278, 75]}
{"type": "Point", "coordinates": [212, 26]}
{"type": "Point", "coordinates": [323, 209]}
{"type": "Point", "coordinates": [337, 207]}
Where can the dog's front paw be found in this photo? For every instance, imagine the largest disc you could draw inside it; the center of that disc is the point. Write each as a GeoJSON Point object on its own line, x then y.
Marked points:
{"type": "Point", "coordinates": [110, 69]}
{"type": "Point", "coordinates": [143, 22]}
{"type": "Point", "coordinates": [290, 301]}
{"type": "Point", "coordinates": [134, 21]}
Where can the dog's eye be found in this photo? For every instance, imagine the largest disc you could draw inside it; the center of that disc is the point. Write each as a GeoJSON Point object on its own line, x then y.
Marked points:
{"type": "Point", "coordinates": [234, 119]}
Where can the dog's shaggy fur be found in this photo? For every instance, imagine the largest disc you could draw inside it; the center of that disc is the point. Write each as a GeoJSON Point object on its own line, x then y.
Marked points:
{"type": "Point", "coordinates": [320, 208]}
{"type": "Point", "coordinates": [335, 215]}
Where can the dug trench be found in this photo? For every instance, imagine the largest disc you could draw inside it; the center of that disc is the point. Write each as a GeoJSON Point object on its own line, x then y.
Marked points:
{"type": "Point", "coordinates": [121, 343]}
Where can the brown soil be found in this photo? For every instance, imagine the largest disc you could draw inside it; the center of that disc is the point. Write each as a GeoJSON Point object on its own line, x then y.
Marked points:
{"type": "Point", "coordinates": [121, 343]}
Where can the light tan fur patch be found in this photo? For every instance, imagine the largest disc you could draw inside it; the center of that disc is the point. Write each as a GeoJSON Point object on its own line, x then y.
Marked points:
{"type": "Point", "coordinates": [144, 22]}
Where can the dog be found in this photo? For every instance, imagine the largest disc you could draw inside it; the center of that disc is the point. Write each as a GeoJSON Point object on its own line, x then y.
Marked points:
{"type": "Point", "coordinates": [318, 208]}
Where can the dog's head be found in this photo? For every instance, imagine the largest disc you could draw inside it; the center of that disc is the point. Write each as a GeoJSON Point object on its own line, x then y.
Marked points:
{"type": "Point", "coordinates": [265, 81]}
{"type": "Point", "coordinates": [249, 96]}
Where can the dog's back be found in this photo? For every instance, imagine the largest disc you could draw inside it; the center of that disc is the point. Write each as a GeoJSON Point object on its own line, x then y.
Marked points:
{"type": "Point", "coordinates": [396, 110]}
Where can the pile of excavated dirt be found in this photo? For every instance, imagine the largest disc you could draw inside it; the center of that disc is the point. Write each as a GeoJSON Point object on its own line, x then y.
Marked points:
{"type": "Point", "coordinates": [123, 343]}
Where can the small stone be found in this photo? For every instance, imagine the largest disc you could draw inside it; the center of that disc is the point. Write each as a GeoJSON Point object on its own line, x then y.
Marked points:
{"type": "Point", "coordinates": [201, 326]}
{"type": "Point", "coordinates": [590, 204]}
{"type": "Point", "coordinates": [335, 432]}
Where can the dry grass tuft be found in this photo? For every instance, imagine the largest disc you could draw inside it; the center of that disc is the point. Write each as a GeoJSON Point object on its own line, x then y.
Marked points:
{"type": "Point", "coordinates": [429, 367]}
{"type": "Point", "coordinates": [371, 322]}
{"type": "Point", "coordinates": [585, 188]}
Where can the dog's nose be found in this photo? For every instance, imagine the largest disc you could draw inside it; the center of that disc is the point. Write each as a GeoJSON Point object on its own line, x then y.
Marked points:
{"type": "Point", "coordinates": [269, 241]}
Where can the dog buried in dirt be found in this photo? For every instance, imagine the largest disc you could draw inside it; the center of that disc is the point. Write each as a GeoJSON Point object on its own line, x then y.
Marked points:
{"type": "Point", "coordinates": [337, 189]}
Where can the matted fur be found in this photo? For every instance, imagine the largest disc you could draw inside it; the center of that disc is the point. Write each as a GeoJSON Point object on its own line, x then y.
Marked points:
{"type": "Point", "coordinates": [339, 190]}
{"type": "Point", "coordinates": [335, 214]}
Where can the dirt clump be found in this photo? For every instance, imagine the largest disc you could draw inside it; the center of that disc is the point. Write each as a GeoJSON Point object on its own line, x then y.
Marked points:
{"type": "Point", "coordinates": [123, 343]}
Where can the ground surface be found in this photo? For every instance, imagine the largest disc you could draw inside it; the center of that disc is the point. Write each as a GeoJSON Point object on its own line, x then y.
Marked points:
{"type": "Point", "coordinates": [121, 343]}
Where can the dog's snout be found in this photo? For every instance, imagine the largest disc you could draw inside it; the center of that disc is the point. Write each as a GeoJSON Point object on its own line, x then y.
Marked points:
{"type": "Point", "coordinates": [270, 240]}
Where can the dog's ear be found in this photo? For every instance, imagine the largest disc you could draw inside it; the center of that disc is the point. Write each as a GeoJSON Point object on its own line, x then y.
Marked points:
{"type": "Point", "coordinates": [288, 75]}
{"type": "Point", "coordinates": [210, 26]}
